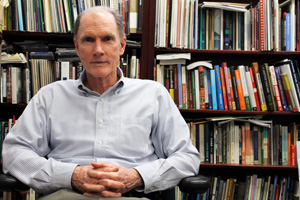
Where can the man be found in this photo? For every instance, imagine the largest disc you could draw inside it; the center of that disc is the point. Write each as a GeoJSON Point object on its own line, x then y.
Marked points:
{"type": "Point", "coordinates": [102, 135]}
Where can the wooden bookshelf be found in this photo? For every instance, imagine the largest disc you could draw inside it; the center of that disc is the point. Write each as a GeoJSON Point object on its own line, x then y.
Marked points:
{"type": "Point", "coordinates": [232, 57]}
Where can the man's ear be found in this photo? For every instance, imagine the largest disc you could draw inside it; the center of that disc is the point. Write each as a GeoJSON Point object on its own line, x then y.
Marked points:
{"type": "Point", "coordinates": [123, 45]}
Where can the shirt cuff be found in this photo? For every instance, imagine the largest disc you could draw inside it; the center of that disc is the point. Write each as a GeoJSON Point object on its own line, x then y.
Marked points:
{"type": "Point", "coordinates": [151, 178]}
{"type": "Point", "coordinates": [63, 175]}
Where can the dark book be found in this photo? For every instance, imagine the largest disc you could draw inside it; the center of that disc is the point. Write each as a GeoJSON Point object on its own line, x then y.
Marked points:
{"type": "Point", "coordinates": [140, 15]}
{"type": "Point", "coordinates": [234, 87]}
{"type": "Point", "coordinates": [266, 87]}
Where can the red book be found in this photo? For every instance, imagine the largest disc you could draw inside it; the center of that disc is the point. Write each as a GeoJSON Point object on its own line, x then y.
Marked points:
{"type": "Point", "coordinates": [202, 88]}
{"type": "Point", "coordinates": [293, 157]}
{"type": "Point", "coordinates": [262, 25]}
{"type": "Point", "coordinates": [254, 89]}
{"type": "Point", "coordinates": [223, 87]}
{"type": "Point", "coordinates": [228, 85]}
{"type": "Point", "coordinates": [277, 192]}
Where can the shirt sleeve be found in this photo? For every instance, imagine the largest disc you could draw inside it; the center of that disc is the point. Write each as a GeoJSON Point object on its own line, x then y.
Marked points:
{"type": "Point", "coordinates": [178, 158]}
{"type": "Point", "coordinates": [26, 146]}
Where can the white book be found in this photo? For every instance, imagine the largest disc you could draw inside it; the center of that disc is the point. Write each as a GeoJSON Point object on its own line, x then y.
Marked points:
{"type": "Point", "coordinates": [247, 30]}
{"type": "Point", "coordinates": [67, 14]}
{"type": "Point", "coordinates": [196, 64]}
{"type": "Point", "coordinates": [243, 80]}
{"type": "Point", "coordinates": [276, 26]}
{"type": "Point", "coordinates": [172, 56]}
{"type": "Point", "coordinates": [285, 69]}
{"type": "Point", "coordinates": [250, 90]}
{"type": "Point", "coordinates": [197, 88]}
{"type": "Point", "coordinates": [65, 70]}
{"type": "Point", "coordinates": [16, 84]}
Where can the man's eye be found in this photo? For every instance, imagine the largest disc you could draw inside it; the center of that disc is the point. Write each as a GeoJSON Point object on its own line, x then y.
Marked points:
{"type": "Point", "coordinates": [107, 39]}
{"type": "Point", "coordinates": [88, 39]}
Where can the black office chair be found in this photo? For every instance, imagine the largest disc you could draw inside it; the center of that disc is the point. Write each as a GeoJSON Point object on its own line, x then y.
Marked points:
{"type": "Point", "coordinates": [190, 185]}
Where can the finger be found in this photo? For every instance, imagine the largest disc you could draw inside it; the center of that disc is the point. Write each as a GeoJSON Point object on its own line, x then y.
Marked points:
{"type": "Point", "coordinates": [110, 194]}
{"type": "Point", "coordinates": [103, 175]}
{"type": "Point", "coordinates": [103, 164]}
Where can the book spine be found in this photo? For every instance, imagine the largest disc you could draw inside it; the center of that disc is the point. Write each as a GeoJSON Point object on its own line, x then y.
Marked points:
{"type": "Point", "coordinates": [288, 93]}
{"type": "Point", "coordinates": [231, 89]}
{"type": "Point", "coordinates": [219, 87]}
{"type": "Point", "coordinates": [209, 90]}
{"type": "Point", "coordinates": [223, 88]}
{"type": "Point", "coordinates": [179, 77]}
{"type": "Point", "coordinates": [184, 86]}
{"type": "Point", "coordinates": [271, 87]}
{"type": "Point", "coordinates": [266, 87]}
{"type": "Point", "coordinates": [234, 87]}
{"type": "Point", "coordinates": [213, 89]}
{"type": "Point", "coordinates": [250, 89]}
{"type": "Point", "coordinates": [202, 88]}
{"type": "Point", "coordinates": [281, 90]}
{"type": "Point", "coordinates": [241, 69]}
{"type": "Point", "coordinates": [255, 91]}
{"type": "Point", "coordinates": [240, 90]}
{"type": "Point", "coordinates": [228, 86]}
{"type": "Point", "coordinates": [275, 87]}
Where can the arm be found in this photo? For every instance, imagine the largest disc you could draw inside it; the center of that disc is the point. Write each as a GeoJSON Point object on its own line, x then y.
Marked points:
{"type": "Point", "coordinates": [26, 146]}
{"type": "Point", "coordinates": [178, 158]}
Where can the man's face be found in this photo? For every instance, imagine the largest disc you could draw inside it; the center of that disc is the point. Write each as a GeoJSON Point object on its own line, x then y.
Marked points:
{"type": "Point", "coordinates": [98, 44]}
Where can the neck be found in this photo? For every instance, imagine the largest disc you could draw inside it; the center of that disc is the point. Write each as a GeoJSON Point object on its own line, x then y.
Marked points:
{"type": "Point", "coordinates": [100, 85]}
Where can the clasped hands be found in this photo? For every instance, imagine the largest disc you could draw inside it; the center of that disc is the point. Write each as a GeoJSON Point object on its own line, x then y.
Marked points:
{"type": "Point", "coordinates": [105, 180]}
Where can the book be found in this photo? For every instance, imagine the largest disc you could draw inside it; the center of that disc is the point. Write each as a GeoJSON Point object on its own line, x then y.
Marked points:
{"type": "Point", "coordinates": [286, 69]}
{"type": "Point", "coordinates": [219, 87]}
{"type": "Point", "coordinates": [261, 93]}
{"type": "Point", "coordinates": [202, 88]}
{"type": "Point", "coordinates": [244, 84]}
{"type": "Point", "coordinates": [288, 93]}
{"type": "Point", "coordinates": [213, 90]}
{"type": "Point", "coordinates": [275, 88]}
{"type": "Point", "coordinates": [228, 86]}
{"type": "Point", "coordinates": [252, 89]}
{"type": "Point", "coordinates": [240, 90]}
{"type": "Point", "coordinates": [224, 92]}
{"type": "Point", "coordinates": [266, 87]}
{"type": "Point", "coordinates": [199, 63]}
{"type": "Point", "coordinates": [234, 88]}
{"type": "Point", "coordinates": [133, 16]}
{"type": "Point", "coordinates": [281, 90]}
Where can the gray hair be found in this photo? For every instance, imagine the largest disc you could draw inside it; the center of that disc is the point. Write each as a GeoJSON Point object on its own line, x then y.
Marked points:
{"type": "Point", "coordinates": [118, 18]}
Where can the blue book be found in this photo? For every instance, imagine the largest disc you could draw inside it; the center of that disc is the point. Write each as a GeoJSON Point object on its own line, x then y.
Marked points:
{"type": "Point", "coordinates": [20, 15]}
{"type": "Point", "coordinates": [288, 31]}
{"type": "Point", "coordinates": [274, 186]}
{"type": "Point", "coordinates": [213, 89]}
{"type": "Point", "coordinates": [281, 89]}
{"type": "Point", "coordinates": [200, 27]}
{"type": "Point", "coordinates": [209, 92]}
{"type": "Point", "coordinates": [203, 46]}
{"type": "Point", "coordinates": [219, 87]}
{"type": "Point", "coordinates": [179, 86]}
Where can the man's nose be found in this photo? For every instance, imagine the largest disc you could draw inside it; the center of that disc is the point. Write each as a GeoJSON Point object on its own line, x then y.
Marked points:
{"type": "Point", "coordinates": [98, 49]}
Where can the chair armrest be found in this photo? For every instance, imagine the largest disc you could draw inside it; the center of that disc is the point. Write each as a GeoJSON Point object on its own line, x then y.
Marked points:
{"type": "Point", "coordinates": [194, 184]}
{"type": "Point", "coordinates": [10, 183]}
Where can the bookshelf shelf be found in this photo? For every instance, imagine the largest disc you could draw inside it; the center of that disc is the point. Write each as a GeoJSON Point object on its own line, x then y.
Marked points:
{"type": "Point", "coordinates": [248, 167]}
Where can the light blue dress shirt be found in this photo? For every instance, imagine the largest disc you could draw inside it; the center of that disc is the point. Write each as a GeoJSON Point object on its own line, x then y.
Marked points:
{"type": "Point", "coordinates": [134, 124]}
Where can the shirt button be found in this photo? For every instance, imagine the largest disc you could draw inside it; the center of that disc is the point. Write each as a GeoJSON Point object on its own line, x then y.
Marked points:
{"type": "Point", "coordinates": [100, 142]}
{"type": "Point", "coordinates": [101, 121]}
{"type": "Point", "coordinates": [101, 99]}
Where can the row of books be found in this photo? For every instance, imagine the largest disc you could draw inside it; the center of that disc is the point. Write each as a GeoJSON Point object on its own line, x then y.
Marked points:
{"type": "Point", "coordinates": [255, 187]}
{"type": "Point", "coordinates": [21, 81]}
{"type": "Point", "coordinates": [245, 140]}
{"type": "Point", "coordinates": [30, 194]}
{"type": "Point", "coordinates": [60, 15]}
{"type": "Point", "coordinates": [269, 25]}
{"type": "Point", "coordinates": [257, 87]}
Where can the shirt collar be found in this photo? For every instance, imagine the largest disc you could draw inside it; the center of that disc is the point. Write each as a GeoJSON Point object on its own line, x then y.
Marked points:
{"type": "Point", "coordinates": [115, 88]}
